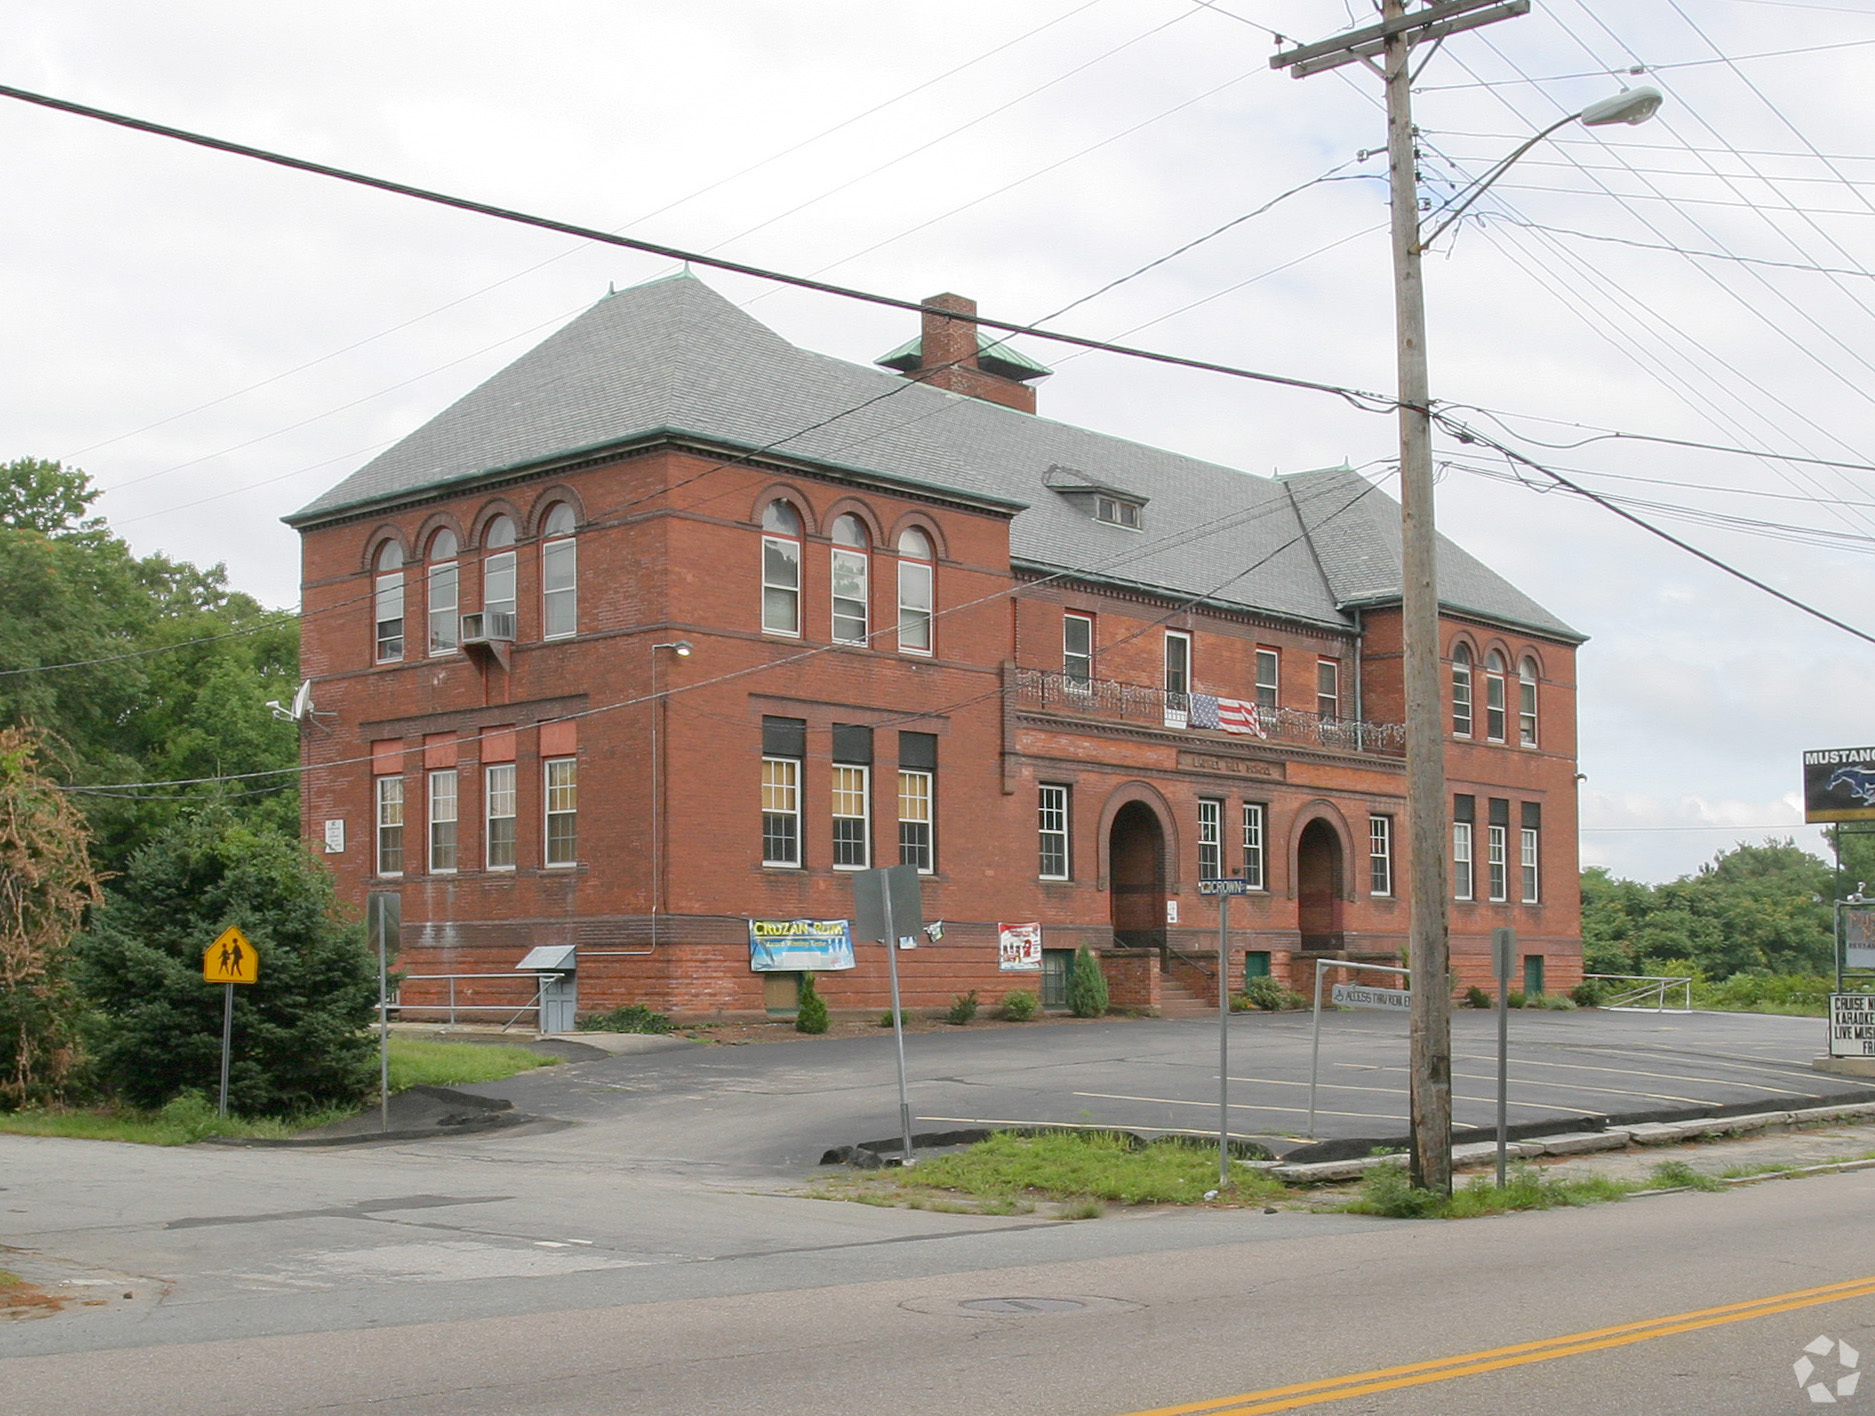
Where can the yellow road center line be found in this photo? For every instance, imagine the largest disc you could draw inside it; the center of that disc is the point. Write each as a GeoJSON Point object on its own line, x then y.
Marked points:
{"type": "Point", "coordinates": [1286, 1398]}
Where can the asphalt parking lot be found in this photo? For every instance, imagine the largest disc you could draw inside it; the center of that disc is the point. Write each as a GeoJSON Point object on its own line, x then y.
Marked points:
{"type": "Point", "coordinates": [768, 1108]}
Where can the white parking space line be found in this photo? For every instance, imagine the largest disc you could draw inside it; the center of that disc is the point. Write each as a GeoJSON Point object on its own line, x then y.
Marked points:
{"type": "Point", "coordinates": [1079, 1126]}
{"type": "Point", "coordinates": [1579, 1087]}
{"type": "Point", "coordinates": [1626, 1072]}
{"type": "Point", "coordinates": [1242, 1106]}
{"type": "Point", "coordinates": [1402, 1091]}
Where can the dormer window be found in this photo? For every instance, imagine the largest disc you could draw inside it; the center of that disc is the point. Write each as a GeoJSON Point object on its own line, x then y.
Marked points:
{"type": "Point", "coordinates": [1116, 512]}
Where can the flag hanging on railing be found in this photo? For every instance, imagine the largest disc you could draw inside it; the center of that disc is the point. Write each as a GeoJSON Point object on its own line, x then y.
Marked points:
{"type": "Point", "coordinates": [1204, 711]}
{"type": "Point", "coordinates": [1237, 715]}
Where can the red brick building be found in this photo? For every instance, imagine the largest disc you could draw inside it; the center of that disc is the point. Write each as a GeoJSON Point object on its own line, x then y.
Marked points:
{"type": "Point", "coordinates": [1065, 674]}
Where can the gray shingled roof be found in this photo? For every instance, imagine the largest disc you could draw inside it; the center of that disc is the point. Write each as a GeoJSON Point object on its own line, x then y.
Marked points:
{"type": "Point", "coordinates": [673, 355]}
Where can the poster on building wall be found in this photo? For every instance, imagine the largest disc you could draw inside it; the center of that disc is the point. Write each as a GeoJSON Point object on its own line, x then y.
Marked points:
{"type": "Point", "coordinates": [800, 945]}
{"type": "Point", "coordinates": [1019, 948]}
{"type": "Point", "coordinates": [1858, 938]}
{"type": "Point", "coordinates": [1839, 784]}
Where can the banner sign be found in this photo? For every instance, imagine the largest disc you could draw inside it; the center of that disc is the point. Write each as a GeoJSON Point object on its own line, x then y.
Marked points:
{"type": "Point", "coordinates": [1019, 948]}
{"type": "Point", "coordinates": [1858, 937]}
{"type": "Point", "coordinates": [799, 945]}
{"type": "Point", "coordinates": [1851, 1025]}
{"type": "Point", "coordinates": [1359, 995]}
{"type": "Point", "coordinates": [1839, 784]}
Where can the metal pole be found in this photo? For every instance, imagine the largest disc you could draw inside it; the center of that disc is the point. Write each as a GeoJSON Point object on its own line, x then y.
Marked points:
{"type": "Point", "coordinates": [1315, 1046]}
{"type": "Point", "coordinates": [1503, 952]}
{"type": "Point", "coordinates": [656, 845]}
{"type": "Point", "coordinates": [1223, 1040]}
{"type": "Point", "coordinates": [384, 1026]}
{"type": "Point", "coordinates": [898, 1025]}
{"type": "Point", "coordinates": [227, 1040]}
{"type": "Point", "coordinates": [1431, 1068]}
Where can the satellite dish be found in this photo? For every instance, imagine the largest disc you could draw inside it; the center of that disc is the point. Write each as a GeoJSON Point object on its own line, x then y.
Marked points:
{"type": "Point", "coordinates": [302, 705]}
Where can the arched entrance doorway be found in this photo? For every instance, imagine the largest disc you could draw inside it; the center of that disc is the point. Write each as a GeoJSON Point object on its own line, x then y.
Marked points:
{"type": "Point", "coordinates": [1136, 877]}
{"type": "Point", "coordinates": [1318, 886]}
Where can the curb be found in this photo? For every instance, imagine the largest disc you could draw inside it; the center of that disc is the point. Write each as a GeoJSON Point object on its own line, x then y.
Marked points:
{"type": "Point", "coordinates": [470, 1113]}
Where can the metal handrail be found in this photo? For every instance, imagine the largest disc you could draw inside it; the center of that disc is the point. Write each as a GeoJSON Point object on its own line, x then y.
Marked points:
{"type": "Point", "coordinates": [1653, 986]}
{"type": "Point", "coordinates": [533, 1004]}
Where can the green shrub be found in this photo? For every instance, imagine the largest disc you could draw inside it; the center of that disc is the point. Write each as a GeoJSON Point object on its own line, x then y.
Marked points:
{"type": "Point", "coordinates": [1590, 993]}
{"type": "Point", "coordinates": [1557, 1003]}
{"type": "Point", "coordinates": [1266, 993]}
{"type": "Point", "coordinates": [812, 1017]}
{"type": "Point", "coordinates": [628, 1018]}
{"type": "Point", "coordinates": [1087, 986]}
{"type": "Point", "coordinates": [1019, 1005]}
{"type": "Point", "coordinates": [885, 1018]}
{"type": "Point", "coordinates": [1476, 997]}
{"type": "Point", "coordinates": [1516, 999]}
{"type": "Point", "coordinates": [963, 1008]}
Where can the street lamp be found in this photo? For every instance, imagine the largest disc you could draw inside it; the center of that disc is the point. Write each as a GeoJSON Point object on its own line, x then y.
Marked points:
{"type": "Point", "coordinates": [683, 649]}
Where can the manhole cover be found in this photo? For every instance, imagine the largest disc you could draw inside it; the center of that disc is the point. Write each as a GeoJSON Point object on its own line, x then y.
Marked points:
{"type": "Point", "coordinates": [1020, 1307]}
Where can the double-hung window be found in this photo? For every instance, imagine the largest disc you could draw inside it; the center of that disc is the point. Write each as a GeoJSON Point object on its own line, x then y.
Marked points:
{"type": "Point", "coordinates": [1530, 852]}
{"type": "Point", "coordinates": [1253, 844]}
{"type": "Point", "coordinates": [1526, 702]}
{"type": "Point", "coordinates": [852, 797]}
{"type": "Point", "coordinates": [559, 575]}
{"type": "Point", "coordinates": [498, 579]}
{"type": "Point", "coordinates": [443, 822]}
{"type": "Point", "coordinates": [1497, 849]}
{"type": "Point", "coordinates": [1494, 697]}
{"type": "Point", "coordinates": [1210, 838]}
{"type": "Point", "coordinates": [562, 792]}
{"type": "Point", "coordinates": [1464, 812]}
{"type": "Point", "coordinates": [1052, 822]}
{"type": "Point", "coordinates": [499, 814]}
{"type": "Point", "coordinates": [388, 602]}
{"type": "Point", "coordinates": [444, 598]}
{"type": "Point", "coordinates": [917, 808]}
{"type": "Point", "coordinates": [1177, 678]}
{"type": "Point", "coordinates": [1328, 688]}
{"type": "Point", "coordinates": [781, 569]}
{"type": "Point", "coordinates": [784, 744]}
{"type": "Point", "coordinates": [1380, 855]}
{"type": "Point", "coordinates": [850, 581]}
{"type": "Point", "coordinates": [1268, 671]}
{"type": "Point", "coordinates": [917, 591]}
{"type": "Point", "coordinates": [1077, 650]}
{"type": "Point", "coordinates": [1461, 690]}
{"type": "Point", "coordinates": [390, 813]}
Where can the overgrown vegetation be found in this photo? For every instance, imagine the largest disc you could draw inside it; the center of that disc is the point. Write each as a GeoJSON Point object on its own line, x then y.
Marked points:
{"type": "Point", "coordinates": [627, 1018]}
{"type": "Point", "coordinates": [1267, 995]}
{"type": "Point", "coordinates": [1388, 1191]}
{"type": "Point", "coordinates": [420, 1062]}
{"type": "Point", "coordinates": [184, 1120]}
{"type": "Point", "coordinates": [1087, 986]}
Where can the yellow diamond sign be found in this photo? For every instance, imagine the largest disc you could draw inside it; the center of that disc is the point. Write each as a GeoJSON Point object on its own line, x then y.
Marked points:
{"type": "Point", "coordinates": [231, 959]}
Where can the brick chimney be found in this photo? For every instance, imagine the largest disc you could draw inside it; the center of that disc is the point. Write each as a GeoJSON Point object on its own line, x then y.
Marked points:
{"type": "Point", "coordinates": [949, 354]}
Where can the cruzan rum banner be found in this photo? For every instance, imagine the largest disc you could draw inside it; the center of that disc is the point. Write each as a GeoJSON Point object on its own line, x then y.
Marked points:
{"type": "Point", "coordinates": [800, 945]}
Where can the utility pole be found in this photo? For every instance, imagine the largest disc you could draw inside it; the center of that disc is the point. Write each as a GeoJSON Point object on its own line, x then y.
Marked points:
{"type": "Point", "coordinates": [1392, 42]}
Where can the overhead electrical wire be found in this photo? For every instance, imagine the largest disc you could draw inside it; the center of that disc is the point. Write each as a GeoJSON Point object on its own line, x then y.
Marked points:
{"type": "Point", "coordinates": [1638, 69]}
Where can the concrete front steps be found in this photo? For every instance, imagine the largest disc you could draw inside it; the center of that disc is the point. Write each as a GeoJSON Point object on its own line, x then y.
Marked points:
{"type": "Point", "coordinates": [1178, 1001]}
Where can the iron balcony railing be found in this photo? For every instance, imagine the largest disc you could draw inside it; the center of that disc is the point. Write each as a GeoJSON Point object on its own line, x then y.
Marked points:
{"type": "Point", "coordinates": [1114, 701]}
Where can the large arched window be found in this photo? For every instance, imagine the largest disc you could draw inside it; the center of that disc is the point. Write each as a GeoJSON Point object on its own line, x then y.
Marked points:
{"type": "Point", "coordinates": [1526, 702]}
{"type": "Point", "coordinates": [498, 579]}
{"type": "Point", "coordinates": [389, 601]}
{"type": "Point", "coordinates": [850, 586]}
{"type": "Point", "coordinates": [1494, 697]}
{"type": "Point", "coordinates": [1461, 690]}
{"type": "Point", "coordinates": [781, 569]}
{"type": "Point", "coordinates": [559, 575]}
{"type": "Point", "coordinates": [916, 591]}
{"type": "Point", "coordinates": [444, 596]}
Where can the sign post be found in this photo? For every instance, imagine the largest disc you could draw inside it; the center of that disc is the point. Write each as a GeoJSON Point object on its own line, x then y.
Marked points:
{"type": "Point", "coordinates": [887, 906]}
{"type": "Point", "coordinates": [1503, 949]}
{"type": "Point", "coordinates": [231, 959]}
{"type": "Point", "coordinates": [1223, 889]}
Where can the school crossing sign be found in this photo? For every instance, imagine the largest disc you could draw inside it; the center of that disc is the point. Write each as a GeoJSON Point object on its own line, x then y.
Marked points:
{"type": "Point", "coordinates": [231, 959]}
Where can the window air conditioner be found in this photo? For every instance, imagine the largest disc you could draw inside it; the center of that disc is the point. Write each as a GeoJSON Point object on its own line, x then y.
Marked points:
{"type": "Point", "coordinates": [490, 626]}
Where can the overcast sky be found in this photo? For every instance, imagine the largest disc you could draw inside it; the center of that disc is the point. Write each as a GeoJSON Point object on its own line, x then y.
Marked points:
{"type": "Point", "coordinates": [217, 341]}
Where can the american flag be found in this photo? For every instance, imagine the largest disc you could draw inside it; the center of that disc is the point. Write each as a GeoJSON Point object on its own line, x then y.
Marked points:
{"type": "Point", "coordinates": [1236, 715]}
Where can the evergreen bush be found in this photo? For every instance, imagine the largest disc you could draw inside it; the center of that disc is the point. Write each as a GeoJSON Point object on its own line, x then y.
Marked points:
{"type": "Point", "coordinates": [1087, 986]}
{"type": "Point", "coordinates": [1476, 997]}
{"type": "Point", "coordinates": [963, 1008]}
{"type": "Point", "coordinates": [812, 1017]}
{"type": "Point", "coordinates": [1019, 1005]}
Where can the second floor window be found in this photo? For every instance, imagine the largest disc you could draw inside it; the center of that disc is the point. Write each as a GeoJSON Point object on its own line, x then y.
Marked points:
{"type": "Point", "coordinates": [1268, 667]}
{"type": "Point", "coordinates": [559, 575]}
{"type": "Point", "coordinates": [444, 597]}
{"type": "Point", "coordinates": [850, 585]}
{"type": "Point", "coordinates": [443, 822]}
{"type": "Point", "coordinates": [498, 575]}
{"type": "Point", "coordinates": [1253, 844]}
{"type": "Point", "coordinates": [1077, 649]}
{"type": "Point", "coordinates": [781, 811]}
{"type": "Point", "coordinates": [388, 600]}
{"type": "Point", "coordinates": [562, 782]}
{"type": "Point", "coordinates": [852, 817]}
{"type": "Point", "coordinates": [1496, 847]}
{"type": "Point", "coordinates": [390, 803]}
{"type": "Point", "coordinates": [1461, 691]}
{"type": "Point", "coordinates": [499, 807]}
{"type": "Point", "coordinates": [1052, 820]}
{"type": "Point", "coordinates": [1210, 838]}
{"type": "Point", "coordinates": [781, 569]}
{"type": "Point", "coordinates": [914, 820]}
{"type": "Point", "coordinates": [917, 591]}
{"type": "Point", "coordinates": [1328, 687]}
{"type": "Point", "coordinates": [1461, 860]}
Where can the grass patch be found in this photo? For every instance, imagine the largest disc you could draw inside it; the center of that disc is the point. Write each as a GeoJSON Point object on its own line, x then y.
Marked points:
{"type": "Point", "coordinates": [1387, 1191]}
{"type": "Point", "coordinates": [1677, 1173]}
{"type": "Point", "coordinates": [629, 1018]}
{"type": "Point", "coordinates": [419, 1063]}
{"type": "Point", "coordinates": [189, 1118]}
{"type": "Point", "coordinates": [1763, 1167]}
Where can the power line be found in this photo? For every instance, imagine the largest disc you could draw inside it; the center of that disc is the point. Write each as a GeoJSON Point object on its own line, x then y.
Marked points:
{"type": "Point", "coordinates": [1637, 69]}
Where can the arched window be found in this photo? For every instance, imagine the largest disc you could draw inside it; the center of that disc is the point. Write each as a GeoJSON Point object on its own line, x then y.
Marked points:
{"type": "Point", "coordinates": [781, 569]}
{"type": "Point", "coordinates": [498, 579]}
{"type": "Point", "coordinates": [444, 598]}
{"type": "Point", "coordinates": [850, 588]}
{"type": "Point", "coordinates": [916, 591]}
{"type": "Point", "coordinates": [389, 600]}
{"type": "Point", "coordinates": [559, 575]}
{"type": "Point", "coordinates": [1494, 697]}
{"type": "Point", "coordinates": [1526, 702]}
{"type": "Point", "coordinates": [1461, 690]}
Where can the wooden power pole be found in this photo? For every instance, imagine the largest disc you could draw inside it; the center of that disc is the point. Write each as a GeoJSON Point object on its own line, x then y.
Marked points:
{"type": "Point", "coordinates": [1391, 43]}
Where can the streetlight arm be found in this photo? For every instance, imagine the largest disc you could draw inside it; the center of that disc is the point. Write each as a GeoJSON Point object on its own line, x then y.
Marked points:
{"type": "Point", "coordinates": [1480, 187]}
